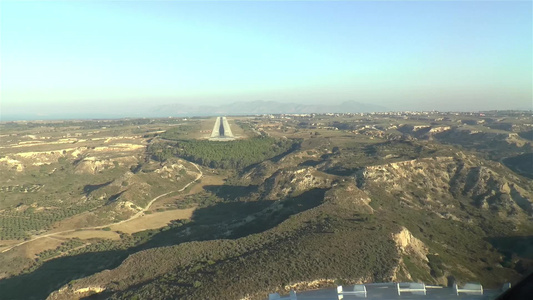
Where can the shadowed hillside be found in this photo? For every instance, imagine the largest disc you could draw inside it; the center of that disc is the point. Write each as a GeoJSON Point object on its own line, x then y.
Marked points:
{"type": "Point", "coordinates": [427, 219]}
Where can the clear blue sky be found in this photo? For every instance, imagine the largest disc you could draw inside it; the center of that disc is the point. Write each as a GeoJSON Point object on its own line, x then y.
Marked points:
{"type": "Point", "coordinates": [97, 55]}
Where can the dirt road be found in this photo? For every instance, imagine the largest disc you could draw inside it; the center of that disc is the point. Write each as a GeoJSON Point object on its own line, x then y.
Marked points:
{"type": "Point", "coordinates": [137, 215]}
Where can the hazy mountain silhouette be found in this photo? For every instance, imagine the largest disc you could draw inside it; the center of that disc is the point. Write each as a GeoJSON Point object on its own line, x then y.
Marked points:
{"type": "Point", "coordinates": [266, 107]}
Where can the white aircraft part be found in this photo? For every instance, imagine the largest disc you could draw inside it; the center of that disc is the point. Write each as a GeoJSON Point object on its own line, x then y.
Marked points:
{"type": "Point", "coordinates": [470, 289]}
{"type": "Point", "coordinates": [276, 296]}
{"type": "Point", "coordinates": [359, 290]}
{"type": "Point", "coordinates": [411, 287]}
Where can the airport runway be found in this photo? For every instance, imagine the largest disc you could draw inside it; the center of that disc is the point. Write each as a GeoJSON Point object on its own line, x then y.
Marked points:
{"type": "Point", "coordinates": [216, 129]}
{"type": "Point", "coordinates": [221, 130]}
{"type": "Point", "coordinates": [227, 129]}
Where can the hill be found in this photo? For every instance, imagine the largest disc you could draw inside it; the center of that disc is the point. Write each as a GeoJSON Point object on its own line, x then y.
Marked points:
{"type": "Point", "coordinates": [435, 219]}
{"type": "Point", "coordinates": [146, 208]}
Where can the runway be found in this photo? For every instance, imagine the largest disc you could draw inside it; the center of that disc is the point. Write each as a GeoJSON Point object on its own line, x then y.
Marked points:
{"type": "Point", "coordinates": [221, 130]}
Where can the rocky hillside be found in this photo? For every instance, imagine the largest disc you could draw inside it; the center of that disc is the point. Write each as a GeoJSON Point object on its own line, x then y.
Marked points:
{"type": "Point", "coordinates": [436, 219]}
{"type": "Point", "coordinates": [435, 183]}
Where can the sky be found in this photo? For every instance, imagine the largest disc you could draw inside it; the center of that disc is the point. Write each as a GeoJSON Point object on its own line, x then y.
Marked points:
{"type": "Point", "coordinates": [89, 58]}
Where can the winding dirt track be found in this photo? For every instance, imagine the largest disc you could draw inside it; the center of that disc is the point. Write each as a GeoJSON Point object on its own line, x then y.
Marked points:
{"type": "Point", "coordinates": [137, 215]}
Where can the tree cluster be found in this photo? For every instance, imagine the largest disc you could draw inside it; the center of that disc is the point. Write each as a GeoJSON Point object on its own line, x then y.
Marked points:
{"type": "Point", "coordinates": [226, 155]}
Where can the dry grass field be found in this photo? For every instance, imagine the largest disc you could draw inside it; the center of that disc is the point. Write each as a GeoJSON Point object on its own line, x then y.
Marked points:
{"type": "Point", "coordinates": [91, 234]}
{"type": "Point", "coordinates": [153, 221]}
{"type": "Point", "coordinates": [30, 250]}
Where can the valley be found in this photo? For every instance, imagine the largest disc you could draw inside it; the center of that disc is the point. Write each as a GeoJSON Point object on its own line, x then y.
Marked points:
{"type": "Point", "coordinates": [119, 209]}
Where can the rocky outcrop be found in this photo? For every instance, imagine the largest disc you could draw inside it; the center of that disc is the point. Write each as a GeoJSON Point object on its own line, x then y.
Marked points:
{"type": "Point", "coordinates": [411, 247]}
{"type": "Point", "coordinates": [11, 163]}
{"type": "Point", "coordinates": [90, 290]}
{"type": "Point", "coordinates": [350, 198]}
{"type": "Point", "coordinates": [418, 181]}
{"type": "Point", "coordinates": [292, 182]}
{"type": "Point", "coordinates": [266, 169]}
{"type": "Point", "coordinates": [79, 293]}
{"type": "Point", "coordinates": [91, 164]}
{"type": "Point", "coordinates": [173, 171]}
{"type": "Point", "coordinates": [94, 165]}
{"type": "Point", "coordinates": [119, 147]}
{"type": "Point", "coordinates": [439, 129]}
{"type": "Point", "coordinates": [514, 138]}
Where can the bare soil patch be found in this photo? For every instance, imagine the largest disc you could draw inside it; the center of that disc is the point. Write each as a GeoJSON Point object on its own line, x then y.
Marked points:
{"type": "Point", "coordinates": [91, 234]}
{"type": "Point", "coordinates": [153, 221]}
{"type": "Point", "coordinates": [31, 249]}
{"type": "Point", "coordinates": [4, 243]}
{"type": "Point", "coordinates": [82, 220]}
{"type": "Point", "coordinates": [207, 180]}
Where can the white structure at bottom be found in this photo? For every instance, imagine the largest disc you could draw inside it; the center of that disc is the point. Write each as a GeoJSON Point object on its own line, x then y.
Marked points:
{"type": "Point", "coordinates": [411, 287]}
{"type": "Point", "coordinates": [506, 286]}
{"type": "Point", "coordinates": [276, 296]}
{"type": "Point", "coordinates": [359, 290]}
{"type": "Point", "coordinates": [469, 288]}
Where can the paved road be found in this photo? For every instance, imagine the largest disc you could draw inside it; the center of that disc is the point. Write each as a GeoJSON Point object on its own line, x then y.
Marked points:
{"type": "Point", "coordinates": [137, 215]}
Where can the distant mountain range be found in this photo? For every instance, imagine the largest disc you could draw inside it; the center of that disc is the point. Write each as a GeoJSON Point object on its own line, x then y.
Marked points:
{"type": "Point", "coordinates": [134, 110]}
{"type": "Point", "coordinates": [264, 107]}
